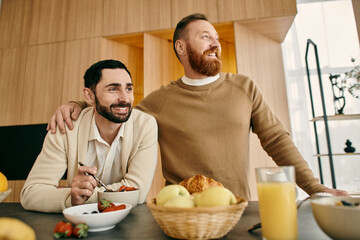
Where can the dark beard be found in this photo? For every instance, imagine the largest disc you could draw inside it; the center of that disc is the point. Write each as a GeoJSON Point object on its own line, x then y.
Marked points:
{"type": "Point", "coordinates": [107, 114]}
{"type": "Point", "coordinates": [199, 63]}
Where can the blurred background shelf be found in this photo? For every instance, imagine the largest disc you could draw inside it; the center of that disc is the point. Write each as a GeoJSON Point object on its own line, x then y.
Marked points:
{"type": "Point", "coordinates": [337, 117]}
{"type": "Point", "coordinates": [336, 154]}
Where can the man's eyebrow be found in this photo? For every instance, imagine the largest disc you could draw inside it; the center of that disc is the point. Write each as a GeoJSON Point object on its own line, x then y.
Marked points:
{"type": "Point", "coordinates": [208, 32]}
{"type": "Point", "coordinates": [118, 84]}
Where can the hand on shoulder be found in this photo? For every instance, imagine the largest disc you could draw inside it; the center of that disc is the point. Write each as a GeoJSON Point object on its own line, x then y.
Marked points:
{"type": "Point", "coordinates": [64, 115]}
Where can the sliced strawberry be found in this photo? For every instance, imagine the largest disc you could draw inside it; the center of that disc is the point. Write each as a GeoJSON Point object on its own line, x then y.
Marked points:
{"type": "Point", "coordinates": [103, 204]}
{"type": "Point", "coordinates": [80, 230]}
{"type": "Point", "coordinates": [115, 208]}
{"type": "Point", "coordinates": [129, 189]}
{"type": "Point", "coordinates": [122, 188]}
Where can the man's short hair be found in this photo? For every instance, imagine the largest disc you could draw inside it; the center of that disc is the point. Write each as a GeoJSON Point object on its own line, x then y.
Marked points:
{"type": "Point", "coordinates": [93, 75]}
{"type": "Point", "coordinates": [180, 30]}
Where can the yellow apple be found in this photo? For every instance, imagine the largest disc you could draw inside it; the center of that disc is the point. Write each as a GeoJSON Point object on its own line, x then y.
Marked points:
{"type": "Point", "coordinates": [169, 192]}
{"type": "Point", "coordinates": [180, 201]}
{"type": "Point", "coordinates": [215, 196]}
{"type": "Point", "coordinates": [12, 228]}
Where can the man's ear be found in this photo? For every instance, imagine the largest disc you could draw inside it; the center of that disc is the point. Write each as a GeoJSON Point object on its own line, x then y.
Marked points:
{"type": "Point", "coordinates": [180, 47]}
{"type": "Point", "coordinates": [89, 95]}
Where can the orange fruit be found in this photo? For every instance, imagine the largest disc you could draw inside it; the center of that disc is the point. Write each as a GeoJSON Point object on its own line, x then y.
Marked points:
{"type": "Point", "coordinates": [3, 182]}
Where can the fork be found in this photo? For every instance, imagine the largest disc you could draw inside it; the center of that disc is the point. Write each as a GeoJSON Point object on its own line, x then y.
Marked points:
{"type": "Point", "coordinates": [96, 178]}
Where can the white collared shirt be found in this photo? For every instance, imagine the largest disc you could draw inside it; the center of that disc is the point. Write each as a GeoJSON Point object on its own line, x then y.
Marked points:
{"type": "Point", "coordinates": [199, 82]}
{"type": "Point", "coordinates": [101, 155]}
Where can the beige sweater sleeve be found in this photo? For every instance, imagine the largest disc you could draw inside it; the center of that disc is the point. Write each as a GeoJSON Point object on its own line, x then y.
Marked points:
{"type": "Point", "coordinates": [40, 191]}
{"type": "Point", "coordinates": [276, 141]}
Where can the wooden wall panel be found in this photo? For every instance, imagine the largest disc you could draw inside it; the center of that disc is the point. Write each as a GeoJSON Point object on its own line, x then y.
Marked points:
{"type": "Point", "coordinates": [160, 68]}
{"type": "Point", "coordinates": [228, 57]}
{"type": "Point", "coordinates": [129, 16]}
{"type": "Point", "coordinates": [260, 58]}
{"type": "Point", "coordinates": [132, 57]}
{"type": "Point", "coordinates": [234, 10]}
{"type": "Point", "coordinates": [183, 8]}
{"type": "Point", "coordinates": [274, 28]}
{"type": "Point", "coordinates": [15, 23]}
{"type": "Point", "coordinates": [84, 19]}
{"type": "Point", "coordinates": [158, 181]}
{"type": "Point", "coordinates": [79, 56]}
{"type": "Point", "coordinates": [12, 68]}
{"type": "Point", "coordinates": [15, 186]}
{"type": "Point", "coordinates": [48, 21]}
{"type": "Point", "coordinates": [43, 82]}
{"type": "Point", "coordinates": [225, 31]}
{"type": "Point", "coordinates": [132, 39]}
{"type": "Point", "coordinates": [160, 63]}
{"type": "Point", "coordinates": [272, 18]}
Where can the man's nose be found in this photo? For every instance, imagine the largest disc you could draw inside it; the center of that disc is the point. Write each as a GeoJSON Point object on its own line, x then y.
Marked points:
{"type": "Point", "coordinates": [215, 43]}
{"type": "Point", "coordinates": [122, 96]}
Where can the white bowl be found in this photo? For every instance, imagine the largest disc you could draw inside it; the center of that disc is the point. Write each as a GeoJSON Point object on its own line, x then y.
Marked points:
{"type": "Point", "coordinates": [4, 194]}
{"type": "Point", "coordinates": [96, 221]}
{"type": "Point", "coordinates": [338, 222]}
{"type": "Point", "coordinates": [131, 197]}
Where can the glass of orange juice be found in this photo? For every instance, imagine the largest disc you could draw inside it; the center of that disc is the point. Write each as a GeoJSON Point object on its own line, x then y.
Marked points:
{"type": "Point", "coordinates": [277, 202]}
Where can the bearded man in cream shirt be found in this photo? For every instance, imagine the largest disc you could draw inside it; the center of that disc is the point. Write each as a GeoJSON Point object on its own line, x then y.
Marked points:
{"type": "Point", "coordinates": [115, 142]}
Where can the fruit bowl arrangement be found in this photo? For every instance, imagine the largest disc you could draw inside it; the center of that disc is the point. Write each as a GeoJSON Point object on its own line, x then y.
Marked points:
{"type": "Point", "coordinates": [128, 196]}
{"type": "Point", "coordinates": [97, 221]}
{"type": "Point", "coordinates": [209, 217]}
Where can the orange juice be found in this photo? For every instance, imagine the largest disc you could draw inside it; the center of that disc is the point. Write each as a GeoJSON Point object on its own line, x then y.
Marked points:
{"type": "Point", "coordinates": [278, 211]}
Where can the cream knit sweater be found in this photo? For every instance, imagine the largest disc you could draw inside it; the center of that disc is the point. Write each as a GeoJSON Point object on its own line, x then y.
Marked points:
{"type": "Point", "coordinates": [62, 152]}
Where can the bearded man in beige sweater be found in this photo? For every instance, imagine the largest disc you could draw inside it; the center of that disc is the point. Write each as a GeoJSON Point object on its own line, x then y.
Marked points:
{"type": "Point", "coordinates": [114, 141]}
{"type": "Point", "coordinates": [204, 118]}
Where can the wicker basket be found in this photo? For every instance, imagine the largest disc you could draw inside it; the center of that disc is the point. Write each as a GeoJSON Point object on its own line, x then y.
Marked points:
{"type": "Point", "coordinates": [198, 222]}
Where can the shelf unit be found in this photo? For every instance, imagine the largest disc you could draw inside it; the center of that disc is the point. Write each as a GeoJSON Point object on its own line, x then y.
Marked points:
{"type": "Point", "coordinates": [337, 117]}
{"type": "Point", "coordinates": [337, 154]}
{"type": "Point", "coordinates": [325, 119]}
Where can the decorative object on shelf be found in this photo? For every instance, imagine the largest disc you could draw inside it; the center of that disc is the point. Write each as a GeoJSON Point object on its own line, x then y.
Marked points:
{"type": "Point", "coordinates": [352, 80]}
{"type": "Point", "coordinates": [338, 87]}
{"type": "Point", "coordinates": [348, 80]}
{"type": "Point", "coordinates": [349, 148]}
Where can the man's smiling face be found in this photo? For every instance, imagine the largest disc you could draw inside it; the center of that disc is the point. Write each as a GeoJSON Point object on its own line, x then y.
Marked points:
{"type": "Point", "coordinates": [203, 48]}
{"type": "Point", "coordinates": [114, 96]}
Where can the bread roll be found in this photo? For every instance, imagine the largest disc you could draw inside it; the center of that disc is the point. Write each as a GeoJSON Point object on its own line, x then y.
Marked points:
{"type": "Point", "coordinates": [199, 183]}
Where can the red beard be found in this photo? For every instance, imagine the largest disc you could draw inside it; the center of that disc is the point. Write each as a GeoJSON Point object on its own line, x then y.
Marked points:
{"type": "Point", "coordinates": [200, 64]}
